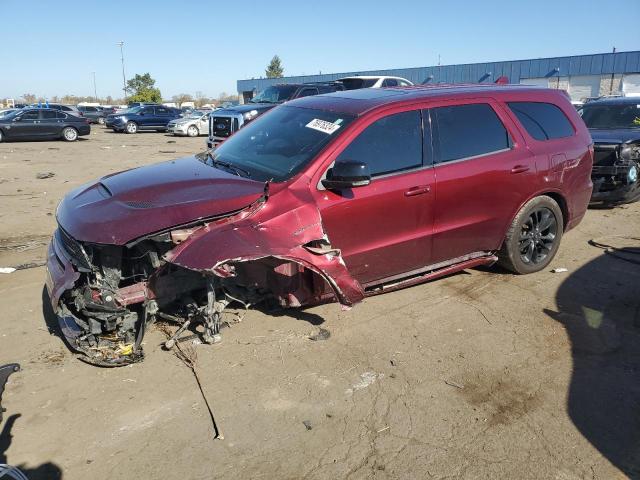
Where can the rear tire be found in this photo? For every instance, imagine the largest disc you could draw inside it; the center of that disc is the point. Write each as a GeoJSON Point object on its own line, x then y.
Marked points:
{"type": "Point", "coordinates": [69, 134]}
{"type": "Point", "coordinates": [101, 120]}
{"type": "Point", "coordinates": [1, 136]}
{"type": "Point", "coordinates": [533, 238]}
{"type": "Point", "coordinates": [131, 127]}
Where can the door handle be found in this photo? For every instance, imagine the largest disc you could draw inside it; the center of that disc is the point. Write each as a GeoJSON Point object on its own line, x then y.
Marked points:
{"type": "Point", "coordinates": [419, 190]}
{"type": "Point", "coordinates": [520, 169]}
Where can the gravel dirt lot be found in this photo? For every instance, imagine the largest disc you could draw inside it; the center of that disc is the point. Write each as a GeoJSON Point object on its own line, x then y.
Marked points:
{"type": "Point", "coordinates": [479, 375]}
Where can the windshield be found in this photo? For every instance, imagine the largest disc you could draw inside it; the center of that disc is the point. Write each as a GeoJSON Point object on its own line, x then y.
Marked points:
{"type": "Point", "coordinates": [356, 83]}
{"type": "Point", "coordinates": [9, 114]}
{"type": "Point", "coordinates": [281, 143]}
{"type": "Point", "coordinates": [611, 116]}
{"type": "Point", "coordinates": [277, 94]}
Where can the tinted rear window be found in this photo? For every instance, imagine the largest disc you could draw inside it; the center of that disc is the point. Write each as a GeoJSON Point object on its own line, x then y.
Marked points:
{"type": "Point", "coordinates": [356, 83]}
{"type": "Point", "coordinates": [543, 121]}
{"type": "Point", "coordinates": [468, 131]}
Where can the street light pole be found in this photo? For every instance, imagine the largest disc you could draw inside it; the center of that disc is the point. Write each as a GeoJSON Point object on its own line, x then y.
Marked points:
{"type": "Point", "coordinates": [95, 91]}
{"type": "Point", "coordinates": [124, 78]}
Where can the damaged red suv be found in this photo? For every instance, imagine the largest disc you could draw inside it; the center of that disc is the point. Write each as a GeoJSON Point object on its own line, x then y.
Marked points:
{"type": "Point", "coordinates": [331, 197]}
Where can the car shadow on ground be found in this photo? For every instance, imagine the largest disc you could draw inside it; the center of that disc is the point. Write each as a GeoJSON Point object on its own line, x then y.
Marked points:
{"type": "Point", "coordinates": [599, 306]}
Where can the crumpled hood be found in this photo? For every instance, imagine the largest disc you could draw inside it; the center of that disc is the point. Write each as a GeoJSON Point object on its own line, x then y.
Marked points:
{"type": "Point", "coordinates": [124, 206]}
{"type": "Point", "coordinates": [614, 135]}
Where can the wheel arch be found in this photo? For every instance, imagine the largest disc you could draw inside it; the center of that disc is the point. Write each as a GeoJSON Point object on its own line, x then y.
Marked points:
{"type": "Point", "coordinates": [562, 203]}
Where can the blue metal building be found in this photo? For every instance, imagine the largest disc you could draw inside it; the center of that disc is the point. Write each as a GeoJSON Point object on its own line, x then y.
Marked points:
{"type": "Point", "coordinates": [581, 75]}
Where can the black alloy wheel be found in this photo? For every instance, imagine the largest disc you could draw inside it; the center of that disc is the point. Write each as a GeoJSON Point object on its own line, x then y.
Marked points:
{"type": "Point", "coordinates": [537, 237]}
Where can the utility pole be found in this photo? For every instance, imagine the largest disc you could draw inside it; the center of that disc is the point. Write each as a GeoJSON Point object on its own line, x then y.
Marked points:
{"type": "Point", "coordinates": [95, 91]}
{"type": "Point", "coordinates": [124, 78]}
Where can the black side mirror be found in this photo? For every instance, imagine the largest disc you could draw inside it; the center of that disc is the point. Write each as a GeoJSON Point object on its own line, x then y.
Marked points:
{"type": "Point", "coordinates": [347, 174]}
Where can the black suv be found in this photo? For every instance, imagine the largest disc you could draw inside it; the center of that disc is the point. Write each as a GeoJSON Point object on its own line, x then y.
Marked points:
{"type": "Point", "coordinates": [93, 114]}
{"type": "Point", "coordinates": [224, 122]}
{"type": "Point", "coordinates": [614, 124]}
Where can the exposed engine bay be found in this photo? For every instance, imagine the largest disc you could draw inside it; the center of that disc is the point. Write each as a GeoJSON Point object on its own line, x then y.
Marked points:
{"type": "Point", "coordinates": [119, 291]}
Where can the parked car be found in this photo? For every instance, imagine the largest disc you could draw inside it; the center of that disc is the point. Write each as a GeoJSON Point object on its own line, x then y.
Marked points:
{"type": "Point", "coordinates": [42, 124]}
{"type": "Point", "coordinates": [325, 197]}
{"type": "Point", "coordinates": [148, 117]}
{"type": "Point", "coordinates": [196, 123]}
{"type": "Point", "coordinates": [72, 109]}
{"type": "Point", "coordinates": [106, 111]}
{"type": "Point", "coordinates": [7, 111]}
{"type": "Point", "coordinates": [93, 114]}
{"type": "Point", "coordinates": [614, 124]}
{"type": "Point", "coordinates": [141, 104]}
{"type": "Point", "coordinates": [373, 81]}
{"type": "Point", "coordinates": [225, 121]}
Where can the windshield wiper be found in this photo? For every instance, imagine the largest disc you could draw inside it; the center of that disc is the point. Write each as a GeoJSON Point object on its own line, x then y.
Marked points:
{"type": "Point", "coordinates": [241, 172]}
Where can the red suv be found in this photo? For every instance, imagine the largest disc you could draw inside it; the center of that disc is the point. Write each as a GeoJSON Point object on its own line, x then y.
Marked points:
{"type": "Point", "coordinates": [334, 196]}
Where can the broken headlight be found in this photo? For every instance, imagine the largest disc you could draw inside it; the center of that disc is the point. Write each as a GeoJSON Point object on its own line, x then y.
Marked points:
{"type": "Point", "coordinates": [630, 152]}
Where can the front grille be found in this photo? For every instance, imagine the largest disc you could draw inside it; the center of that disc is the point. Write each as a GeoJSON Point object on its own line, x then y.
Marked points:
{"type": "Point", "coordinates": [605, 154]}
{"type": "Point", "coordinates": [222, 126]}
{"type": "Point", "coordinates": [74, 249]}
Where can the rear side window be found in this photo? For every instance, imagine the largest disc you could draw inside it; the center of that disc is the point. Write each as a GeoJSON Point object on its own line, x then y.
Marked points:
{"type": "Point", "coordinates": [465, 131]}
{"type": "Point", "coordinates": [161, 111]}
{"type": "Point", "coordinates": [391, 144]}
{"type": "Point", "coordinates": [390, 82]}
{"type": "Point", "coordinates": [543, 121]}
{"type": "Point", "coordinates": [61, 115]}
{"type": "Point", "coordinates": [48, 114]}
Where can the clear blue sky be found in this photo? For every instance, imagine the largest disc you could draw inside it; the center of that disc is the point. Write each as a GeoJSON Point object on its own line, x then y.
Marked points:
{"type": "Point", "coordinates": [50, 47]}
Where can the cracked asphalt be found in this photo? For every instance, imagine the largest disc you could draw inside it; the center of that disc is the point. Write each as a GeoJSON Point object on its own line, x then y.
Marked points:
{"type": "Point", "coordinates": [480, 375]}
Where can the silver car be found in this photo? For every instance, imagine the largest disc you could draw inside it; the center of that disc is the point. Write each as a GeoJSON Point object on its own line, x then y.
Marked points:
{"type": "Point", "coordinates": [196, 123]}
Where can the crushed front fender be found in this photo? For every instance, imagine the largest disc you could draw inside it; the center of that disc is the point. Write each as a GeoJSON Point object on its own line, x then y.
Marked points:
{"type": "Point", "coordinates": [294, 234]}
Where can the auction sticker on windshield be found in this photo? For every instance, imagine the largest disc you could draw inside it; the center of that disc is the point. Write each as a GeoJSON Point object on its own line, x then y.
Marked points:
{"type": "Point", "coordinates": [323, 126]}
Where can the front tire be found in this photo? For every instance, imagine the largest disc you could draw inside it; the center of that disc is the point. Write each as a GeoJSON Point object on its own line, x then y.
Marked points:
{"type": "Point", "coordinates": [131, 127]}
{"type": "Point", "coordinates": [193, 131]}
{"type": "Point", "coordinates": [533, 237]}
{"type": "Point", "coordinates": [1, 136]}
{"type": "Point", "coordinates": [69, 134]}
